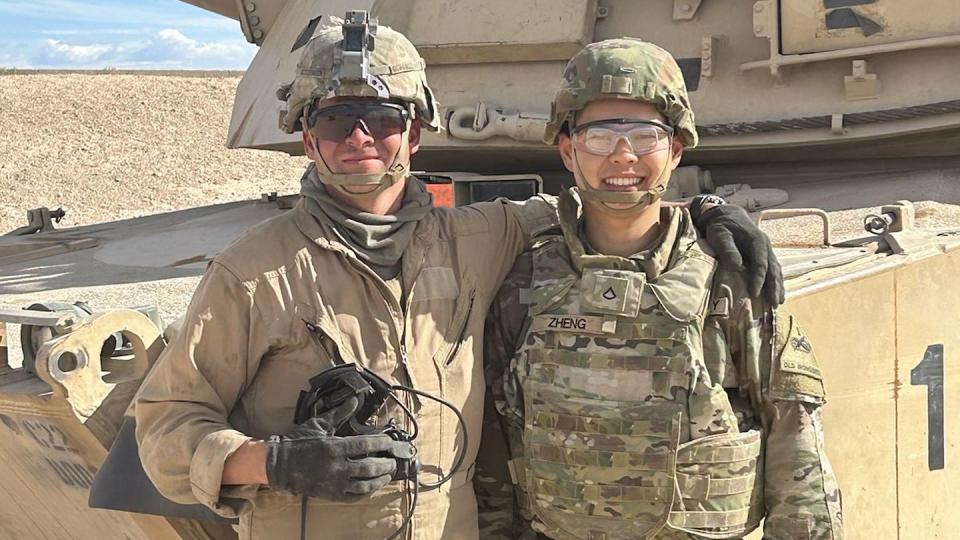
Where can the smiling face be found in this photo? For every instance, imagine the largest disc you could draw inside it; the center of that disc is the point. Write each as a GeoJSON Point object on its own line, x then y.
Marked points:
{"type": "Point", "coordinates": [362, 150]}
{"type": "Point", "coordinates": [625, 168]}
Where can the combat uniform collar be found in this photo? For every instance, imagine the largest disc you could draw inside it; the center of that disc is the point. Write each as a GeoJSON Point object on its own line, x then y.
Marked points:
{"type": "Point", "coordinates": [322, 235]}
{"type": "Point", "coordinates": [678, 234]}
{"type": "Point", "coordinates": [683, 269]}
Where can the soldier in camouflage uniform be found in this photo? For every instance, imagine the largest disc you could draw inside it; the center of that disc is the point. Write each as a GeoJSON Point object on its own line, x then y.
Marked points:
{"type": "Point", "coordinates": [644, 391]}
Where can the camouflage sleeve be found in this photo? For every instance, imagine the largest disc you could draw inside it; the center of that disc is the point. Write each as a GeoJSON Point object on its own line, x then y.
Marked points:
{"type": "Point", "coordinates": [800, 489]}
{"type": "Point", "coordinates": [505, 326]}
{"type": "Point", "coordinates": [777, 368]}
{"type": "Point", "coordinates": [497, 500]}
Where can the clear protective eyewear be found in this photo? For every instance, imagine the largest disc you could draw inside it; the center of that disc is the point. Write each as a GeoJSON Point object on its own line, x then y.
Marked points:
{"type": "Point", "coordinates": [602, 136]}
{"type": "Point", "coordinates": [378, 120]}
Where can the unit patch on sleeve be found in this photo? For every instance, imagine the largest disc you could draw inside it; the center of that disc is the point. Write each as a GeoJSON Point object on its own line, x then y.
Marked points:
{"type": "Point", "coordinates": [796, 373]}
{"type": "Point", "coordinates": [797, 356]}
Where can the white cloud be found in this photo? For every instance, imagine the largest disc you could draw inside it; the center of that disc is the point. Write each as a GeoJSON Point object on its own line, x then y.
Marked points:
{"type": "Point", "coordinates": [80, 54]}
{"type": "Point", "coordinates": [168, 48]}
{"type": "Point", "coordinates": [194, 49]}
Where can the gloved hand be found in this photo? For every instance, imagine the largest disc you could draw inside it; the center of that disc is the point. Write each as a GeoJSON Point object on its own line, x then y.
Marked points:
{"type": "Point", "coordinates": [739, 243]}
{"type": "Point", "coordinates": [310, 460]}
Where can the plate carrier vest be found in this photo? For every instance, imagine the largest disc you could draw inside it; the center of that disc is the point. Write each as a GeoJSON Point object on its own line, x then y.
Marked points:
{"type": "Point", "coordinates": [607, 368]}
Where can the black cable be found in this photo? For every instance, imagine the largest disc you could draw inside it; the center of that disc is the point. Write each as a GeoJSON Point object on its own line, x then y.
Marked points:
{"type": "Point", "coordinates": [463, 425]}
{"type": "Point", "coordinates": [410, 415]}
{"type": "Point", "coordinates": [303, 518]}
{"type": "Point", "coordinates": [412, 485]}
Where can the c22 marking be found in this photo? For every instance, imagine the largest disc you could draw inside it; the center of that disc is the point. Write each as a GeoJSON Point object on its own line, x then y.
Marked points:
{"type": "Point", "coordinates": [50, 437]}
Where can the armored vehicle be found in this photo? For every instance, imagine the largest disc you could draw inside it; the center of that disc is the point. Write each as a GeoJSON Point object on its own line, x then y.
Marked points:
{"type": "Point", "coordinates": [838, 112]}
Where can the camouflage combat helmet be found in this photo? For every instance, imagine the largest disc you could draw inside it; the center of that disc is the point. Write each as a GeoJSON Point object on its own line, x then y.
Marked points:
{"type": "Point", "coordinates": [390, 68]}
{"type": "Point", "coordinates": [360, 59]}
{"type": "Point", "coordinates": [624, 68]}
{"type": "Point", "coordinates": [631, 69]}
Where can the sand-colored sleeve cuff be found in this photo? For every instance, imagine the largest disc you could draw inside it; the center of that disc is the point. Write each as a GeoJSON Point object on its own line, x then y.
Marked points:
{"type": "Point", "coordinates": [206, 474]}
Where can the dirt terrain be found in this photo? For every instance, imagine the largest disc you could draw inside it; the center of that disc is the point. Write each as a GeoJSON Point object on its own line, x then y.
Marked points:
{"type": "Point", "coordinates": [113, 145]}
{"type": "Point", "coordinates": [106, 146]}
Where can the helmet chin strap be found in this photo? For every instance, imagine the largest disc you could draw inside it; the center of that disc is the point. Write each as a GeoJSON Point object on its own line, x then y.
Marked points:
{"type": "Point", "coordinates": [638, 200]}
{"type": "Point", "coordinates": [397, 170]}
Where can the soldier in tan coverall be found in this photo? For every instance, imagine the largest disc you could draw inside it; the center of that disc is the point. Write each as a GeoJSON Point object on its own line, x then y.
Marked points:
{"type": "Point", "coordinates": [364, 269]}
{"type": "Point", "coordinates": [644, 393]}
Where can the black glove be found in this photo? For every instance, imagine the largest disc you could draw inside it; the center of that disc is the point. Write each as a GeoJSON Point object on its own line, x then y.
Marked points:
{"type": "Point", "coordinates": [738, 242]}
{"type": "Point", "coordinates": [310, 461]}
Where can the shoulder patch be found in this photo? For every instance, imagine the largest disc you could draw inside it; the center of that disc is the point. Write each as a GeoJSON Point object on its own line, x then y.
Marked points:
{"type": "Point", "coordinates": [795, 373]}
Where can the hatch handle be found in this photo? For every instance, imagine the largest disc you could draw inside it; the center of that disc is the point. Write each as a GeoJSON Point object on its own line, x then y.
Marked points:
{"type": "Point", "coordinates": [783, 213]}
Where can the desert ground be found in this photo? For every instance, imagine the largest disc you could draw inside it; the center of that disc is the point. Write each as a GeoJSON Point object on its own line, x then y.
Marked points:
{"type": "Point", "coordinates": [105, 146]}
{"type": "Point", "coordinates": [108, 146]}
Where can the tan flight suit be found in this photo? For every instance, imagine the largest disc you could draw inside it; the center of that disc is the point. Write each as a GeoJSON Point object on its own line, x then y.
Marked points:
{"type": "Point", "coordinates": [245, 352]}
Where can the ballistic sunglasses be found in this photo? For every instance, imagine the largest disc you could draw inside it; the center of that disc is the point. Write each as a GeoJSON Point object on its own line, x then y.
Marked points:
{"type": "Point", "coordinates": [378, 120]}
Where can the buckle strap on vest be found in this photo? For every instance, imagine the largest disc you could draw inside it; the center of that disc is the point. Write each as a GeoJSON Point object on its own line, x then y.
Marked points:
{"type": "Point", "coordinates": [518, 471]}
{"type": "Point", "coordinates": [588, 360]}
{"type": "Point", "coordinates": [593, 458]}
{"type": "Point", "coordinates": [709, 520]}
{"type": "Point", "coordinates": [639, 427]}
{"type": "Point", "coordinates": [720, 454]}
{"type": "Point", "coordinates": [601, 493]}
{"type": "Point", "coordinates": [698, 486]}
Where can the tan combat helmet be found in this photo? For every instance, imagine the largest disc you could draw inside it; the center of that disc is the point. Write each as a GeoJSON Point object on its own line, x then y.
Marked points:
{"type": "Point", "coordinates": [624, 68]}
{"type": "Point", "coordinates": [360, 59]}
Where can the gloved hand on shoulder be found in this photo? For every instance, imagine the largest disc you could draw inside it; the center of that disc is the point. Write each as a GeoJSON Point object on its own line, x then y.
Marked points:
{"type": "Point", "coordinates": [740, 245]}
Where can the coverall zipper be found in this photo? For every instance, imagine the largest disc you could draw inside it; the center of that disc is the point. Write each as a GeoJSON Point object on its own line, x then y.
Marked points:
{"type": "Point", "coordinates": [401, 336]}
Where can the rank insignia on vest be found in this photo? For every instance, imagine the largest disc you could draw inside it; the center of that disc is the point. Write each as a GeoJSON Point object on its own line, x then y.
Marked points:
{"type": "Point", "coordinates": [614, 292]}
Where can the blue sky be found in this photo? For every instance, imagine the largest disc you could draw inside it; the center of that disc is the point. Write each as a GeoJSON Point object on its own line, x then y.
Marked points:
{"type": "Point", "coordinates": [123, 34]}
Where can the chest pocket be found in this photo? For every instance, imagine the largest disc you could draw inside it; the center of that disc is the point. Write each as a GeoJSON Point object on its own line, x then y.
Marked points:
{"type": "Point", "coordinates": [442, 302]}
{"type": "Point", "coordinates": [286, 369]}
{"type": "Point", "coordinates": [321, 332]}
